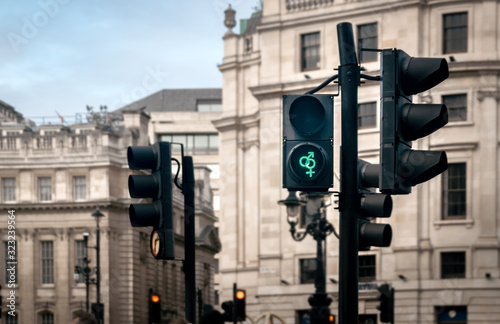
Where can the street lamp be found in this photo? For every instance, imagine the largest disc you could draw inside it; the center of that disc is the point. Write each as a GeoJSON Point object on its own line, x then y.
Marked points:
{"type": "Point", "coordinates": [97, 214]}
{"type": "Point", "coordinates": [319, 228]}
{"type": "Point", "coordinates": [85, 270]}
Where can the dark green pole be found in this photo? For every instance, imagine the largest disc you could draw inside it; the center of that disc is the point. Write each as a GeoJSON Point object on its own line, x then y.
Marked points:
{"type": "Point", "coordinates": [349, 199]}
{"type": "Point", "coordinates": [189, 236]}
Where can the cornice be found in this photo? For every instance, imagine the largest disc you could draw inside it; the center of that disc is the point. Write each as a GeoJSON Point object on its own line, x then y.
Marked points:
{"type": "Point", "coordinates": [92, 204]}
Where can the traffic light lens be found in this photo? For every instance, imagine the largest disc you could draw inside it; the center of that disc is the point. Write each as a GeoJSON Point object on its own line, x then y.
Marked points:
{"type": "Point", "coordinates": [307, 162]}
{"type": "Point", "coordinates": [155, 298]}
{"type": "Point", "coordinates": [307, 115]}
{"type": "Point", "coordinates": [240, 294]}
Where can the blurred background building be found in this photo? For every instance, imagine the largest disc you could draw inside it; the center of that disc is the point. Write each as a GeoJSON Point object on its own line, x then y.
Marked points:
{"type": "Point", "coordinates": [444, 258]}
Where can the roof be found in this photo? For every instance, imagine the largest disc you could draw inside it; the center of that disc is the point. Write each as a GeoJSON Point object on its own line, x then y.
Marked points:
{"type": "Point", "coordinates": [175, 100]}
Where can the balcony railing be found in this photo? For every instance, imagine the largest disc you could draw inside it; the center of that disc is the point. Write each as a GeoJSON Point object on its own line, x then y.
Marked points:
{"type": "Point", "coordinates": [8, 143]}
{"type": "Point", "coordinates": [78, 141]}
{"type": "Point", "coordinates": [298, 5]}
{"type": "Point", "coordinates": [43, 142]}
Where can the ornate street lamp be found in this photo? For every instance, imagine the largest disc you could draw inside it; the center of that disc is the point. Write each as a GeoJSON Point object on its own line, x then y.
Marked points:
{"type": "Point", "coordinates": [97, 214]}
{"type": "Point", "coordinates": [319, 228]}
{"type": "Point", "coordinates": [84, 271]}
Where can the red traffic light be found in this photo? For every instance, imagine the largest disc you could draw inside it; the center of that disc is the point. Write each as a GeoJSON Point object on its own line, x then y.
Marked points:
{"type": "Point", "coordinates": [331, 319]}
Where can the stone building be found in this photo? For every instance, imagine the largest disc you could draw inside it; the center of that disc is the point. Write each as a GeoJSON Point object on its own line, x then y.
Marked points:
{"type": "Point", "coordinates": [444, 258]}
{"type": "Point", "coordinates": [53, 178]}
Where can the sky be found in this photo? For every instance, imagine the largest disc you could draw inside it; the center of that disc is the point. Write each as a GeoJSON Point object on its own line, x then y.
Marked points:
{"type": "Point", "coordinates": [58, 56]}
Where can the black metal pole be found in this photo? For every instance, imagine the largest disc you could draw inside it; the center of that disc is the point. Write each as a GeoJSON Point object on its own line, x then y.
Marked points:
{"type": "Point", "coordinates": [86, 271]}
{"type": "Point", "coordinates": [189, 236]}
{"type": "Point", "coordinates": [98, 272]}
{"type": "Point", "coordinates": [349, 199]}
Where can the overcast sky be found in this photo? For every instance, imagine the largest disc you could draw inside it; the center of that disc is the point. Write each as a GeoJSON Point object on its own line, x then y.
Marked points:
{"type": "Point", "coordinates": [61, 55]}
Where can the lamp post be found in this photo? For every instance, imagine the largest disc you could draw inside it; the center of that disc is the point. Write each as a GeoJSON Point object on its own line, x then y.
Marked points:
{"type": "Point", "coordinates": [319, 228]}
{"type": "Point", "coordinates": [84, 270]}
{"type": "Point", "coordinates": [97, 214]}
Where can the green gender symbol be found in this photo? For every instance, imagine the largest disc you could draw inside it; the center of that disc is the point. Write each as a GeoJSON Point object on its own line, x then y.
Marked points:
{"type": "Point", "coordinates": [309, 163]}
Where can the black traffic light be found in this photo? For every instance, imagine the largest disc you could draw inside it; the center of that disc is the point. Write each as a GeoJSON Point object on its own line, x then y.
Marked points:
{"type": "Point", "coordinates": [158, 187]}
{"type": "Point", "coordinates": [239, 300]}
{"type": "Point", "coordinates": [227, 306]}
{"type": "Point", "coordinates": [154, 307]}
{"type": "Point", "coordinates": [308, 142]}
{"type": "Point", "coordinates": [372, 205]}
{"type": "Point", "coordinates": [386, 306]}
{"type": "Point", "coordinates": [402, 121]}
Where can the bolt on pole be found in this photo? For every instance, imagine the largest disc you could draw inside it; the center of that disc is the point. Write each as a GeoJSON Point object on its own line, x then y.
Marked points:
{"type": "Point", "coordinates": [349, 80]}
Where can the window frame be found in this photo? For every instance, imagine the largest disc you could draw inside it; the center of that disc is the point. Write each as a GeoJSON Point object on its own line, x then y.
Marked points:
{"type": "Point", "coordinates": [444, 30]}
{"type": "Point", "coordinates": [304, 59]}
{"type": "Point", "coordinates": [307, 276]}
{"type": "Point", "coordinates": [189, 140]}
{"type": "Point", "coordinates": [372, 56]}
{"type": "Point", "coordinates": [40, 187]}
{"type": "Point", "coordinates": [446, 97]}
{"type": "Point", "coordinates": [5, 191]}
{"type": "Point", "coordinates": [445, 190]}
{"type": "Point", "coordinates": [371, 267]}
{"type": "Point", "coordinates": [370, 104]}
{"type": "Point", "coordinates": [452, 275]}
{"type": "Point", "coordinates": [47, 263]}
{"type": "Point", "coordinates": [79, 188]}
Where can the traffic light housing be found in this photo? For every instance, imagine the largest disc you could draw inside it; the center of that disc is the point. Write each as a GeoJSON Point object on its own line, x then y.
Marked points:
{"type": "Point", "coordinates": [158, 187]}
{"type": "Point", "coordinates": [308, 142]}
{"type": "Point", "coordinates": [372, 205]}
{"type": "Point", "coordinates": [402, 121]}
{"type": "Point", "coordinates": [240, 304]}
{"type": "Point", "coordinates": [386, 306]}
{"type": "Point", "coordinates": [154, 307]}
{"type": "Point", "coordinates": [228, 306]}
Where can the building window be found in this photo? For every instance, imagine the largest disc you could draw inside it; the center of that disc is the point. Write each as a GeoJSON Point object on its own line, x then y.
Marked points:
{"type": "Point", "coordinates": [193, 143]}
{"type": "Point", "coordinates": [451, 314]}
{"type": "Point", "coordinates": [452, 265]}
{"type": "Point", "coordinates": [310, 57]}
{"type": "Point", "coordinates": [45, 189]}
{"type": "Point", "coordinates": [367, 38]}
{"type": "Point", "coordinates": [9, 189]}
{"type": "Point", "coordinates": [366, 267]}
{"type": "Point", "coordinates": [455, 33]}
{"type": "Point", "coordinates": [10, 260]}
{"type": "Point", "coordinates": [367, 115]}
{"type": "Point", "coordinates": [80, 257]}
{"type": "Point", "coordinates": [454, 191]}
{"type": "Point", "coordinates": [46, 318]}
{"type": "Point", "coordinates": [80, 188]}
{"type": "Point", "coordinates": [307, 270]}
{"type": "Point", "coordinates": [457, 107]}
{"type": "Point", "coordinates": [9, 319]}
{"type": "Point", "coordinates": [209, 106]}
{"type": "Point", "coordinates": [47, 262]}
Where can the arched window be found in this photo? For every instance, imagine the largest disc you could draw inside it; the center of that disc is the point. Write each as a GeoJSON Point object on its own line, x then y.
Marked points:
{"type": "Point", "coordinates": [46, 318]}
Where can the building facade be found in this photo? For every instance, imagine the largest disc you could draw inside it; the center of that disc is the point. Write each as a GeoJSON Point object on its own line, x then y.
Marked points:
{"type": "Point", "coordinates": [444, 258]}
{"type": "Point", "coordinates": [53, 179]}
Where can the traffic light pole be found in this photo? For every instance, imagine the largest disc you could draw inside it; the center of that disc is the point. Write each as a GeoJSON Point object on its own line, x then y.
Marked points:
{"type": "Point", "coordinates": [189, 236]}
{"type": "Point", "coordinates": [349, 199]}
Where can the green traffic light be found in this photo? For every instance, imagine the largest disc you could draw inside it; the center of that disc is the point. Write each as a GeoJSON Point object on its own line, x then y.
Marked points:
{"type": "Point", "coordinates": [308, 162]}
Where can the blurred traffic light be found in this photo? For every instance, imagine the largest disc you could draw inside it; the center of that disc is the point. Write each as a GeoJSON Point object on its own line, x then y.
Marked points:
{"type": "Point", "coordinates": [386, 306]}
{"type": "Point", "coordinates": [402, 121]}
{"type": "Point", "coordinates": [154, 307]}
{"type": "Point", "coordinates": [227, 306]}
{"type": "Point", "coordinates": [308, 142]}
{"type": "Point", "coordinates": [158, 187]}
{"type": "Point", "coordinates": [240, 304]}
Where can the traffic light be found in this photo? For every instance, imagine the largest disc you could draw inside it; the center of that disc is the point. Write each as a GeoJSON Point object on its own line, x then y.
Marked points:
{"type": "Point", "coordinates": [240, 304]}
{"type": "Point", "coordinates": [386, 306]}
{"type": "Point", "coordinates": [158, 186]}
{"type": "Point", "coordinates": [154, 307]}
{"type": "Point", "coordinates": [402, 121]}
{"type": "Point", "coordinates": [372, 205]}
{"type": "Point", "coordinates": [331, 319]}
{"type": "Point", "coordinates": [308, 142]}
{"type": "Point", "coordinates": [227, 306]}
